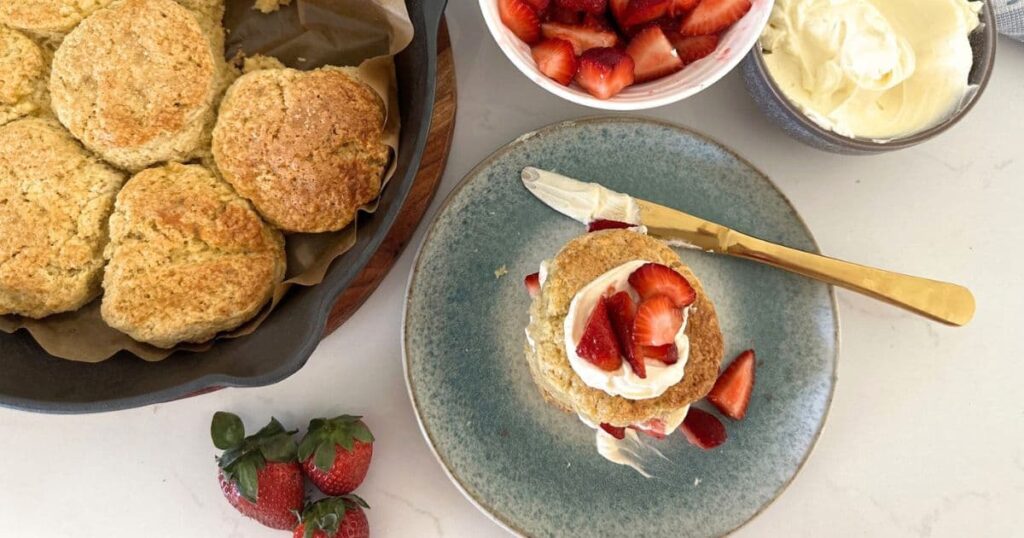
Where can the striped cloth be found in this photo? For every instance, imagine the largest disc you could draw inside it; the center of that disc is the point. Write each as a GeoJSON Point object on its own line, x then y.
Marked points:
{"type": "Point", "coordinates": [1010, 18]}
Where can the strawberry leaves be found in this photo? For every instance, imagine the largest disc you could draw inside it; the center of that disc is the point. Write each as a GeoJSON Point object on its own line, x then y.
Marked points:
{"type": "Point", "coordinates": [327, 514]}
{"type": "Point", "coordinates": [324, 436]}
{"type": "Point", "coordinates": [243, 457]}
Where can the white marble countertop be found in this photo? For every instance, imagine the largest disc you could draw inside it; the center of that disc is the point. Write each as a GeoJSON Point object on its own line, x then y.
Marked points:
{"type": "Point", "coordinates": [925, 435]}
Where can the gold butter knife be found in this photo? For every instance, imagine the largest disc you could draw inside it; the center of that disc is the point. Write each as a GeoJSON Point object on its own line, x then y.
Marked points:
{"type": "Point", "coordinates": [587, 202]}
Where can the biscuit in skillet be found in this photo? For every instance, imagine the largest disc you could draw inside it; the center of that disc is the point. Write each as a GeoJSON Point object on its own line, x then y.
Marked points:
{"type": "Point", "coordinates": [55, 198]}
{"type": "Point", "coordinates": [578, 263]}
{"type": "Point", "coordinates": [47, 19]}
{"type": "Point", "coordinates": [24, 70]}
{"type": "Point", "coordinates": [188, 258]}
{"type": "Point", "coordinates": [306, 147]}
{"type": "Point", "coordinates": [136, 83]}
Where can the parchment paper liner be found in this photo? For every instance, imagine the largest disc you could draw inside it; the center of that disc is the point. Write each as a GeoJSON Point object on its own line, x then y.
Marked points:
{"type": "Point", "coordinates": [304, 35]}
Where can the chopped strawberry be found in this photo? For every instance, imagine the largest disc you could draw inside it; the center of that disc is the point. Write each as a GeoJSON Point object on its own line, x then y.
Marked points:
{"type": "Point", "coordinates": [563, 16]}
{"type": "Point", "coordinates": [540, 6]}
{"type": "Point", "coordinates": [656, 279]}
{"type": "Point", "coordinates": [618, 8]}
{"type": "Point", "coordinates": [590, 6]}
{"type": "Point", "coordinates": [654, 428]}
{"type": "Point", "coordinates": [691, 49]}
{"type": "Point", "coordinates": [614, 431]}
{"type": "Point", "coordinates": [604, 72]}
{"type": "Point", "coordinates": [679, 7]}
{"type": "Point", "coordinates": [598, 344]}
{"type": "Point", "coordinates": [731, 393]}
{"type": "Point", "coordinates": [583, 38]}
{"type": "Point", "coordinates": [532, 283]}
{"type": "Point", "coordinates": [641, 11]}
{"type": "Point", "coordinates": [667, 24]}
{"type": "Point", "coordinates": [658, 320]}
{"type": "Point", "coordinates": [597, 22]}
{"type": "Point", "coordinates": [622, 313]}
{"type": "Point", "coordinates": [556, 59]}
{"type": "Point", "coordinates": [713, 16]}
{"type": "Point", "coordinates": [667, 353]}
{"type": "Point", "coordinates": [702, 429]}
{"type": "Point", "coordinates": [520, 17]}
{"type": "Point", "coordinates": [602, 224]}
{"type": "Point", "coordinates": [653, 55]}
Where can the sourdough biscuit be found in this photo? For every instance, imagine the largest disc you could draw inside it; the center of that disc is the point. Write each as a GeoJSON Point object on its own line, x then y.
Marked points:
{"type": "Point", "coordinates": [578, 263]}
{"type": "Point", "coordinates": [24, 69]}
{"type": "Point", "coordinates": [48, 19]}
{"type": "Point", "coordinates": [54, 202]}
{"type": "Point", "coordinates": [305, 147]}
{"type": "Point", "coordinates": [188, 258]}
{"type": "Point", "coordinates": [136, 83]}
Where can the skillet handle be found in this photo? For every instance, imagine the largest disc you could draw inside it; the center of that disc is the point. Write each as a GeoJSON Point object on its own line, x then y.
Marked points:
{"type": "Point", "coordinates": [433, 10]}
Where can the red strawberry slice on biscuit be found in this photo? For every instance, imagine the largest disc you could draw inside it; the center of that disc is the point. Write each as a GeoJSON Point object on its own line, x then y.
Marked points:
{"type": "Point", "coordinates": [658, 320]}
{"type": "Point", "coordinates": [614, 431]}
{"type": "Point", "coordinates": [667, 353]}
{"type": "Point", "coordinates": [532, 283]}
{"type": "Point", "coordinates": [702, 429]}
{"type": "Point", "coordinates": [622, 313]}
{"type": "Point", "coordinates": [653, 55]}
{"type": "Point", "coordinates": [713, 16]}
{"type": "Point", "coordinates": [556, 58]}
{"type": "Point", "coordinates": [520, 17]}
{"type": "Point", "coordinates": [731, 393]}
{"type": "Point", "coordinates": [656, 279]}
{"type": "Point", "coordinates": [604, 72]}
{"type": "Point", "coordinates": [598, 345]}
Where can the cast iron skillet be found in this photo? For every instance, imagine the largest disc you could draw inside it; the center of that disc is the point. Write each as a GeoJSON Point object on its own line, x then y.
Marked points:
{"type": "Point", "coordinates": [31, 379]}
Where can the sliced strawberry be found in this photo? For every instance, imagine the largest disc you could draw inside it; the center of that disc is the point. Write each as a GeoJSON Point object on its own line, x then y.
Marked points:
{"type": "Point", "coordinates": [556, 59]}
{"type": "Point", "coordinates": [654, 428]}
{"type": "Point", "coordinates": [590, 6]}
{"type": "Point", "coordinates": [583, 38]}
{"type": "Point", "coordinates": [679, 7]}
{"type": "Point", "coordinates": [563, 16]}
{"type": "Point", "coordinates": [622, 313]}
{"type": "Point", "coordinates": [731, 393]}
{"type": "Point", "coordinates": [602, 224]}
{"type": "Point", "coordinates": [658, 320]}
{"type": "Point", "coordinates": [667, 353]}
{"type": "Point", "coordinates": [598, 344]}
{"type": "Point", "coordinates": [653, 55]}
{"type": "Point", "coordinates": [713, 16]}
{"type": "Point", "coordinates": [532, 283]}
{"type": "Point", "coordinates": [614, 431]}
{"type": "Point", "coordinates": [702, 429]}
{"type": "Point", "coordinates": [597, 22]}
{"type": "Point", "coordinates": [618, 8]}
{"type": "Point", "coordinates": [667, 24]}
{"type": "Point", "coordinates": [691, 49]}
{"type": "Point", "coordinates": [604, 72]}
{"type": "Point", "coordinates": [540, 6]}
{"type": "Point", "coordinates": [641, 11]}
{"type": "Point", "coordinates": [520, 17]}
{"type": "Point", "coordinates": [656, 279]}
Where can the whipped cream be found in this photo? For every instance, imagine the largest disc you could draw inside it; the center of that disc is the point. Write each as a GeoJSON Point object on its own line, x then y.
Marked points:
{"type": "Point", "coordinates": [876, 69]}
{"type": "Point", "coordinates": [632, 451]}
{"type": "Point", "coordinates": [584, 202]}
{"type": "Point", "coordinates": [622, 382]}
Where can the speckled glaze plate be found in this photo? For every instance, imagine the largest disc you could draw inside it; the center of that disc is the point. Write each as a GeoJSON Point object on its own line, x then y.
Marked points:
{"type": "Point", "coordinates": [533, 468]}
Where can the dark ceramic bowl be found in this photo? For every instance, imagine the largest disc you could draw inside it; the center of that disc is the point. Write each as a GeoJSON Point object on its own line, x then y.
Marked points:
{"type": "Point", "coordinates": [33, 380]}
{"type": "Point", "coordinates": [795, 123]}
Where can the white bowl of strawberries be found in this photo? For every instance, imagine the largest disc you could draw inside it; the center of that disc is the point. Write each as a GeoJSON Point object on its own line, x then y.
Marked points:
{"type": "Point", "coordinates": [625, 54]}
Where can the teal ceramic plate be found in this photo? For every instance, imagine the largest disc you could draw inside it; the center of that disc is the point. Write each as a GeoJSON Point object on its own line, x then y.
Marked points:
{"type": "Point", "coordinates": [533, 468]}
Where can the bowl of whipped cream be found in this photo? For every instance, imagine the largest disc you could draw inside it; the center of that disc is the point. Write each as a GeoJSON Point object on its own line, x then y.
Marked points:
{"type": "Point", "coordinates": [870, 76]}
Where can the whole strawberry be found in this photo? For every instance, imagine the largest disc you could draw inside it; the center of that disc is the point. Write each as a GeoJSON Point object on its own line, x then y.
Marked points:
{"type": "Point", "coordinates": [259, 474]}
{"type": "Point", "coordinates": [336, 452]}
{"type": "Point", "coordinates": [334, 517]}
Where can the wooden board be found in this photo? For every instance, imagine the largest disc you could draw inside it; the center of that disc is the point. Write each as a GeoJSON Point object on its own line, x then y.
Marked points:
{"type": "Point", "coordinates": [435, 157]}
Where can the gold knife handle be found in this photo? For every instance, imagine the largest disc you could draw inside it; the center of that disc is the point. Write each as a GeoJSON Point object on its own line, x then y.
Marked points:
{"type": "Point", "coordinates": [941, 301]}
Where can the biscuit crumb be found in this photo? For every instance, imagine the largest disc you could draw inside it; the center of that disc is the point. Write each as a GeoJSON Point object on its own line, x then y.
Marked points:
{"type": "Point", "coordinates": [270, 6]}
{"type": "Point", "coordinates": [500, 272]}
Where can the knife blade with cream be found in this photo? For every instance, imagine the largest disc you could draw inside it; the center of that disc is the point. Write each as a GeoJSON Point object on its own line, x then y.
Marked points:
{"type": "Point", "coordinates": [586, 202]}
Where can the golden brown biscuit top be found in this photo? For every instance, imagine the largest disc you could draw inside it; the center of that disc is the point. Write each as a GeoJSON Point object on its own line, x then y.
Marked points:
{"type": "Point", "coordinates": [133, 73]}
{"type": "Point", "coordinates": [305, 147]}
{"type": "Point", "coordinates": [21, 66]}
{"type": "Point", "coordinates": [47, 17]}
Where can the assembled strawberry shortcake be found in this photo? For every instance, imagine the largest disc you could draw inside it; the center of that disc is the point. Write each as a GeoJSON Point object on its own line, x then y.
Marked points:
{"type": "Point", "coordinates": [622, 334]}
